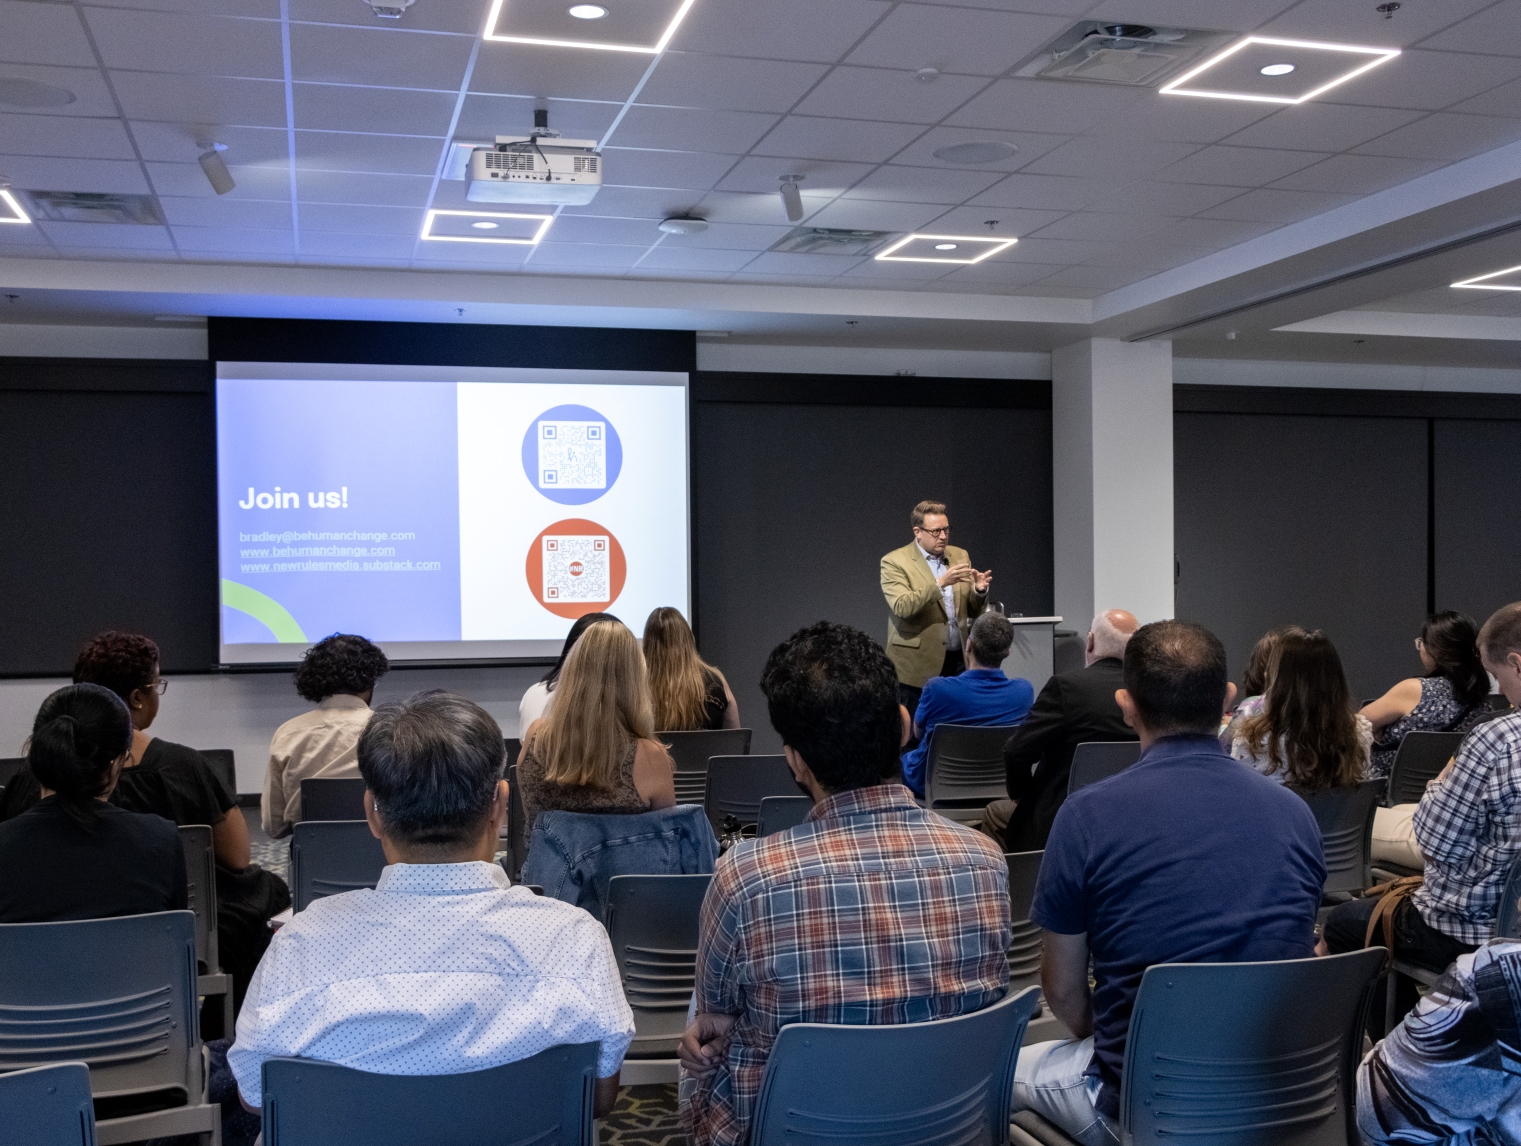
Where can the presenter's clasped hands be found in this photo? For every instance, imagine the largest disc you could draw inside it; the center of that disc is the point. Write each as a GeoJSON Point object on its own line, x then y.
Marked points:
{"type": "Point", "coordinates": [964, 572]}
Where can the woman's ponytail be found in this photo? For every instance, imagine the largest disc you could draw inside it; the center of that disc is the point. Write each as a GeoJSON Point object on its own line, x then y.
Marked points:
{"type": "Point", "coordinates": [79, 734]}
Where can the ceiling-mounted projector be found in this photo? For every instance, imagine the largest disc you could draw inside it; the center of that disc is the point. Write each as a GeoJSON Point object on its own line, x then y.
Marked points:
{"type": "Point", "coordinates": [537, 168]}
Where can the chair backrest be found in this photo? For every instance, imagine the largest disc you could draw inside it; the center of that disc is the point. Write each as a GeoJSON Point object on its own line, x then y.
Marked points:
{"type": "Point", "coordinates": [946, 1082]}
{"type": "Point", "coordinates": [1096, 760]}
{"type": "Point", "coordinates": [1248, 1054]}
{"type": "Point", "coordinates": [201, 872]}
{"type": "Point", "coordinates": [778, 813]}
{"type": "Point", "coordinates": [48, 1105]}
{"type": "Point", "coordinates": [691, 752]}
{"type": "Point", "coordinates": [1345, 816]}
{"type": "Point", "coordinates": [9, 767]}
{"type": "Point", "coordinates": [332, 798]}
{"type": "Point", "coordinates": [652, 922]}
{"type": "Point", "coordinates": [116, 994]}
{"type": "Point", "coordinates": [1508, 924]}
{"type": "Point", "coordinates": [1025, 948]}
{"type": "Point", "coordinates": [223, 764]}
{"type": "Point", "coordinates": [737, 784]}
{"type": "Point", "coordinates": [332, 856]}
{"type": "Point", "coordinates": [517, 823]}
{"type": "Point", "coordinates": [963, 765]}
{"type": "Point", "coordinates": [1420, 757]}
{"type": "Point", "coordinates": [545, 1100]}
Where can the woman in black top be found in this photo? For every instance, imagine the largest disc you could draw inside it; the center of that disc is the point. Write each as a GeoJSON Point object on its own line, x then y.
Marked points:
{"type": "Point", "coordinates": [686, 693]}
{"type": "Point", "coordinates": [73, 855]}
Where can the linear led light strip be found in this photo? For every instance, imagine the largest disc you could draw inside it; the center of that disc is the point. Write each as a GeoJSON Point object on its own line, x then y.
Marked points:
{"type": "Point", "coordinates": [994, 247]}
{"type": "Point", "coordinates": [1381, 56]}
{"type": "Point", "coordinates": [14, 204]}
{"type": "Point", "coordinates": [433, 213]}
{"type": "Point", "coordinates": [496, 12]}
{"type": "Point", "coordinates": [1479, 283]}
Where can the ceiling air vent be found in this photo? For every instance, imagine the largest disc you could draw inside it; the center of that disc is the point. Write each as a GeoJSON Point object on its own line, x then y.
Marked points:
{"type": "Point", "coordinates": [830, 241]}
{"type": "Point", "coordinates": [1098, 51]}
{"type": "Point", "coordinates": [93, 207]}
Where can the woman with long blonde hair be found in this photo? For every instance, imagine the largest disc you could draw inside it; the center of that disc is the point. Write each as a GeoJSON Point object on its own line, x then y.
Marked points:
{"type": "Point", "coordinates": [686, 693]}
{"type": "Point", "coordinates": [594, 750]}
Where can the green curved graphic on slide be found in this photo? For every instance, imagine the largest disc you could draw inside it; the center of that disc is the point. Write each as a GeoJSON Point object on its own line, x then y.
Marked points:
{"type": "Point", "coordinates": [266, 610]}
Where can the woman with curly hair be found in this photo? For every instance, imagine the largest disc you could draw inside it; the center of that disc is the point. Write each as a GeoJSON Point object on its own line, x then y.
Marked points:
{"type": "Point", "coordinates": [338, 675]}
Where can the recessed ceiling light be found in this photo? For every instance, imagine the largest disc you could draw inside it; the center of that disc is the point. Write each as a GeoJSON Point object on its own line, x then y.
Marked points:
{"type": "Point", "coordinates": [485, 225]}
{"type": "Point", "coordinates": [1277, 69]}
{"type": "Point", "coordinates": [976, 151]}
{"type": "Point", "coordinates": [982, 248]}
{"type": "Point", "coordinates": [945, 246]}
{"type": "Point", "coordinates": [18, 92]}
{"type": "Point", "coordinates": [494, 33]}
{"type": "Point", "coordinates": [1235, 82]}
{"type": "Point", "coordinates": [1482, 281]}
{"type": "Point", "coordinates": [524, 240]}
{"type": "Point", "coordinates": [588, 11]}
{"type": "Point", "coordinates": [16, 213]}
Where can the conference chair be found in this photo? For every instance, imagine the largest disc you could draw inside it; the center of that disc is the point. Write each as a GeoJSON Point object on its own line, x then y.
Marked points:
{"type": "Point", "coordinates": [691, 752]}
{"type": "Point", "coordinates": [1240, 1054]}
{"type": "Point", "coordinates": [513, 748]}
{"type": "Point", "coordinates": [1345, 816]}
{"type": "Point", "coordinates": [1025, 947]}
{"type": "Point", "coordinates": [9, 767]}
{"type": "Point", "coordinates": [1095, 760]}
{"type": "Point", "coordinates": [652, 923]}
{"type": "Point", "coordinates": [778, 813]}
{"type": "Point", "coordinates": [946, 1081]}
{"type": "Point", "coordinates": [517, 824]}
{"type": "Point", "coordinates": [545, 1100]}
{"type": "Point", "coordinates": [119, 996]}
{"type": "Point", "coordinates": [332, 798]}
{"type": "Point", "coordinates": [737, 785]}
{"type": "Point", "coordinates": [48, 1105]}
{"type": "Point", "coordinates": [328, 857]}
{"type": "Point", "coordinates": [1421, 756]}
{"type": "Point", "coordinates": [201, 873]}
{"type": "Point", "coordinates": [1508, 924]}
{"type": "Point", "coordinates": [963, 768]}
{"type": "Point", "coordinates": [223, 765]}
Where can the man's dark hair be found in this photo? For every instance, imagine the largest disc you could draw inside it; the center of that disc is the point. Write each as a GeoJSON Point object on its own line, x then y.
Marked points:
{"type": "Point", "coordinates": [1175, 673]}
{"type": "Point", "coordinates": [833, 695]}
{"type": "Point", "coordinates": [341, 663]}
{"type": "Point", "coordinates": [432, 762]}
{"type": "Point", "coordinates": [990, 639]}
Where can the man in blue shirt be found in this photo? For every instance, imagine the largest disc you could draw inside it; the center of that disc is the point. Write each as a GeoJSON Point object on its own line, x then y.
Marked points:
{"type": "Point", "coordinates": [981, 695]}
{"type": "Point", "coordinates": [1185, 857]}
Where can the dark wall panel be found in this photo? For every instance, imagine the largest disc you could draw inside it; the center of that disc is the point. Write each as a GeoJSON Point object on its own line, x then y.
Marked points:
{"type": "Point", "coordinates": [796, 504]}
{"type": "Point", "coordinates": [1309, 520]}
{"type": "Point", "coordinates": [1477, 481]}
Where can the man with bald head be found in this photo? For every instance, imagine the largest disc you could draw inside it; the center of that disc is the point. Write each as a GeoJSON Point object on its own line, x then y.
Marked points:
{"type": "Point", "coordinates": [1071, 708]}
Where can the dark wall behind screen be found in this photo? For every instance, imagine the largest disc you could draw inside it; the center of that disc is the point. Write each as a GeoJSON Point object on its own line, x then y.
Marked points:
{"type": "Point", "coordinates": [796, 504]}
{"type": "Point", "coordinates": [1476, 475]}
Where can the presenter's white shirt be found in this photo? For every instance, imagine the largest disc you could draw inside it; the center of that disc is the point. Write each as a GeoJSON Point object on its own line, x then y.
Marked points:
{"type": "Point", "coordinates": [947, 594]}
{"type": "Point", "coordinates": [442, 969]}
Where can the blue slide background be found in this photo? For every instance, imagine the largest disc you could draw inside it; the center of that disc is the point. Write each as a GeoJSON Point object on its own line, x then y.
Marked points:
{"type": "Point", "coordinates": [395, 446]}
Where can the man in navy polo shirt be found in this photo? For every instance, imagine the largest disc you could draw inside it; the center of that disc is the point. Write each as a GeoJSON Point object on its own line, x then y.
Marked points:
{"type": "Point", "coordinates": [981, 695]}
{"type": "Point", "coordinates": [1185, 857]}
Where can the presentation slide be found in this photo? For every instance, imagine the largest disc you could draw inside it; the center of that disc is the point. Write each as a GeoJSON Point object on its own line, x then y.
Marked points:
{"type": "Point", "coordinates": [444, 512]}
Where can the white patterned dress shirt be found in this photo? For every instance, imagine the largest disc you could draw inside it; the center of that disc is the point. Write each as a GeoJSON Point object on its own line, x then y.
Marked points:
{"type": "Point", "coordinates": [938, 567]}
{"type": "Point", "coordinates": [442, 969]}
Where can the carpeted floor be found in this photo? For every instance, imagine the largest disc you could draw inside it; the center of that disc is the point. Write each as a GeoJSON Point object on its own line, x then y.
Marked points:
{"type": "Point", "coordinates": [644, 1116]}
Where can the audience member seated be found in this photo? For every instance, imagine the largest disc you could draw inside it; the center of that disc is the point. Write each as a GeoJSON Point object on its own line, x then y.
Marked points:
{"type": "Point", "coordinates": [1468, 828]}
{"type": "Point", "coordinates": [1305, 734]}
{"type": "Point", "coordinates": [1185, 857]}
{"type": "Point", "coordinates": [872, 911]}
{"type": "Point", "coordinates": [338, 675]}
{"type": "Point", "coordinates": [1072, 707]}
{"type": "Point", "coordinates": [536, 700]}
{"type": "Point", "coordinates": [594, 750]}
{"type": "Point", "coordinates": [173, 781]}
{"type": "Point", "coordinates": [1448, 1073]}
{"type": "Point", "coordinates": [74, 855]}
{"type": "Point", "coordinates": [980, 695]}
{"type": "Point", "coordinates": [686, 693]}
{"type": "Point", "coordinates": [444, 967]}
{"type": "Point", "coordinates": [1253, 684]}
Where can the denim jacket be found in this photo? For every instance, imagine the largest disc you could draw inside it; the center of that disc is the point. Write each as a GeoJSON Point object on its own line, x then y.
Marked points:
{"type": "Point", "coordinates": [573, 855]}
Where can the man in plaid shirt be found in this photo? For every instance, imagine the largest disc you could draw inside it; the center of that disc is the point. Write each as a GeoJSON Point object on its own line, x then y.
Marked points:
{"type": "Point", "coordinates": [1468, 827]}
{"type": "Point", "coordinates": [873, 911]}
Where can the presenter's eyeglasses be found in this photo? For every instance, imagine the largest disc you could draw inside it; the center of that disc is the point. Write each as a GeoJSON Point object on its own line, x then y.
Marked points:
{"type": "Point", "coordinates": [943, 532]}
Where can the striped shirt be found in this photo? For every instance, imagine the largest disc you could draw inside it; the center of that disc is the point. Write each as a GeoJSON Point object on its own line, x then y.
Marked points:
{"type": "Point", "coordinates": [873, 911]}
{"type": "Point", "coordinates": [1469, 829]}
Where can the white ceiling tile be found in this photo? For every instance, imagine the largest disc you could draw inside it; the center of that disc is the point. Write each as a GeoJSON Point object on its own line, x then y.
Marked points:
{"type": "Point", "coordinates": [1008, 221]}
{"type": "Point", "coordinates": [1046, 192]}
{"type": "Point", "coordinates": [997, 272]}
{"type": "Point", "coordinates": [484, 117]}
{"type": "Point", "coordinates": [1061, 252]}
{"type": "Point", "coordinates": [245, 241]}
{"type": "Point", "coordinates": [921, 153]}
{"type": "Point", "coordinates": [187, 43]}
{"type": "Point", "coordinates": [1151, 254]}
{"type": "Point", "coordinates": [1429, 80]}
{"type": "Point", "coordinates": [1336, 21]}
{"type": "Point", "coordinates": [91, 96]}
{"type": "Point", "coordinates": [779, 263]}
{"type": "Point", "coordinates": [379, 190]}
{"type": "Point", "coordinates": [350, 219]}
{"type": "Point", "coordinates": [1163, 198]}
{"type": "Point", "coordinates": [1210, 233]}
{"type": "Point", "coordinates": [1490, 32]}
{"type": "Point", "coordinates": [729, 83]}
{"type": "Point", "coordinates": [1101, 225]}
{"type": "Point", "coordinates": [587, 255]}
{"type": "Point", "coordinates": [384, 57]}
{"type": "Point", "coordinates": [778, 29]}
{"type": "Point", "coordinates": [254, 9]}
{"type": "Point", "coordinates": [496, 256]}
{"type": "Point", "coordinates": [391, 154]}
{"type": "Point", "coordinates": [1503, 100]}
{"type": "Point", "coordinates": [891, 274]}
{"type": "Point", "coordinates": [358, 246]}
{"type": "Point", "coordinates": [44, 173]}
{"type": "Point", "coordinates": [1093, 278]}
{"type": "Point", "coordinates": [731, 237]}
{"type": "Point", "coordinates": [1357, 174]}
{"type": "Point", "coordinates": [651, 203]}
{"type": "Point", "coordinates": [461, 19]}
{"type": "Point", "coordinates": [923, 184]}
{"type": "Point", "coordinates": [206, 99]}
{"type": "Point", "coordinates": [43, 34]}
{"type": "Point", "coordinates": [556, 73]}
{"type": "Point", "coordinates": [973, 41]}
{"type": "Point", "coordinates": [596, 229]}
{"type": "Point", "coordinates": [763, 174]}
{"type": "Point", "coordinates": [858, 214]}
{"type": "Point", "coordinates": [895, 96]}
{"type": "Point", "coordinates": [1115, 159]}
{"type": "Point", "coordinates": [691, 129]}
{"type": "Point", "coordinates": [390, 111]}
{"type": "Point", "coordinates": [782, 280]}
{"type": "Point", "coordinates": [1182, 120]}
{"type": "Point", "coordinates": [1047, 105]}
{"type": "Point", "coordinates": [172, 143]}
{"type": "Point", "coordinates": [187, 179]}
{"type": "Point", "coordinates": [112, 235]}
{"type": "Point", "coordinates": [734, 207]}
{"type": "Point", "coordinates": [1225, 15]}
{"type": "Point", "coordinates": [110, 254]}
{"type": "Point", "coordinates": [665, 257]}
{"type": "Point", "coordinates": [1237, 166]}
{"type": "Point", "coordinates": [1320, 126]}
{"type": "Point", "coordinates": [64, 136]}
{"type": "Point", "coordinates": [648, 167]}
{"type": "Point", "coordinates": [1445, 136]}
{"type": "Point", "coordinates": [222, 212]}
{"type": "Point", "coordinates": [851, 140]}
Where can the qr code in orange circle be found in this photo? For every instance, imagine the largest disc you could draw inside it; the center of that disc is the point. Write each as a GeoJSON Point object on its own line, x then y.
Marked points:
{"type": "Point", "coordinates": [576, 568]}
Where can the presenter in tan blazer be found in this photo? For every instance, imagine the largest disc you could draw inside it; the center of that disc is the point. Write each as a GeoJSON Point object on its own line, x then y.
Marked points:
{"type": "Point", "coordinates": [933, 594]}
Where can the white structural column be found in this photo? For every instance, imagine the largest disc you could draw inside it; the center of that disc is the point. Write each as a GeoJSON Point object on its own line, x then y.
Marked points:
{"type": "Point", "coordinates": [1111, 419]}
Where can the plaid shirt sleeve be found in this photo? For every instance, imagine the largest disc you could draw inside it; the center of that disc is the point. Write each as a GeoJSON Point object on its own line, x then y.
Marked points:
{"type": "Point", "coordinates": [1450, 816]}
{"type": "Point", "coordinates": [717, 988]}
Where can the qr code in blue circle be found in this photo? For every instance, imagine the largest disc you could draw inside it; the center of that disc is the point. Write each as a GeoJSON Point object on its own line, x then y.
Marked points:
{"type": "Point", "coordinates": [573, 455]}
